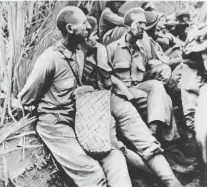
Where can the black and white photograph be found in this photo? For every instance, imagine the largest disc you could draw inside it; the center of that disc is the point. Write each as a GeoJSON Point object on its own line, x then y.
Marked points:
{"type": "Point", "coordinates": [103, 93]}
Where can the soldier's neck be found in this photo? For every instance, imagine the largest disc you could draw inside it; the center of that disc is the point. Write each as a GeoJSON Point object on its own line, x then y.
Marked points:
{"type": "Point", "coordinates": [130, 40]}
{"type": "Point", "coordinates": [69, 43]}
{"type": "Point", "coordinates": [84, 49]}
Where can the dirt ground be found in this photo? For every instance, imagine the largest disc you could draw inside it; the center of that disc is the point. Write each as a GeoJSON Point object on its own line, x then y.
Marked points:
{"type": "Point", "coordinates": [40, 170]}
{"type": "Point", "coordinates": [198, 177]}
{"type": "Point", "coordinates": [35, 166]}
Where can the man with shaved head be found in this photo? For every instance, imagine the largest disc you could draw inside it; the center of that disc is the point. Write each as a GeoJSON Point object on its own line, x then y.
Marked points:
{"type": "Point", "coordinates": [50, 88]}
{"type": "Point", "coordinates": [73, 24]}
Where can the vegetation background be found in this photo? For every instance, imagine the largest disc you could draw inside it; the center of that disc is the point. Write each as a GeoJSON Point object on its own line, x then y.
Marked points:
{"type": "Point", "coordinates": [27, 28]}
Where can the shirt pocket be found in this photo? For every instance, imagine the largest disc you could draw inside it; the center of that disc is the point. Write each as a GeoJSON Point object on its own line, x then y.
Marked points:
{"type": "Point", "coordinates": [122, 69]}
{"type": "Point", "coordinates": [141, 67]}
{"type": "Point", "coordinates": [65, 84]}
{"type": "Point", "coordinates": [122, 65]}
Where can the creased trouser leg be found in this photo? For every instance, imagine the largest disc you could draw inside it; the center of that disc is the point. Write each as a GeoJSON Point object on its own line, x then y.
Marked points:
{"type": "Point", "coordinates": [191, 82]}
{"type": "Point", "coordinates": [135, 130]}
{"type": "Point", "coordinates": [175, 80]}
{"type": "Point", "coordinates": [133, 127]}
{"type": "Point", "coordinates": [159, 107]}
{"type": "Point", "coordinates": [162, 169]}
{"type": "Point", "coordinates": [132, 158]}
{"type": "Point", "coordinates": [61, 140]}
{"type": "Point", "coordinates": [157, 98]}
{"type": "Point", "coordinates": [115, 169]}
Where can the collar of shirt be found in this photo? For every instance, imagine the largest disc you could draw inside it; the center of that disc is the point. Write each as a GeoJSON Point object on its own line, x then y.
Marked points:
{"type": "Point", "coordinates": [123, 44]}
{"type": "Point", "coordinates": [67, 53]}
{"type": "Point", "coordinates": [75, 56]}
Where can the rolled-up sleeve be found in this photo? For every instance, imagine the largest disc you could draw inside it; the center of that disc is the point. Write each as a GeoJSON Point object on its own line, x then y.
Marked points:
{"type": "Point", "coordinates": [105, 69]}
{"type": "Point", "coordinates": [110, 53]}
{"type": "Point", "coordinates": [37, 83]}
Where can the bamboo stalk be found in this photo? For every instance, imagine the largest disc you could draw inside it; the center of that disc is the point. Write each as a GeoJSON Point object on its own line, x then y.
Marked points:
{"type": "Point", "coordinates": [7, 89]}
{"type": "Point", "coordinates": [5, 132]}
{"type": "Point", "coordinates": [5, 170]}
{"type": "Point", "coordinates": [19, 148]}
{"type": "Point", "coordinates": [12, 13]}
{"type": "Point", "coordinates": [3, 61]}
{"type": "Point", "coordinates": [20, 135]}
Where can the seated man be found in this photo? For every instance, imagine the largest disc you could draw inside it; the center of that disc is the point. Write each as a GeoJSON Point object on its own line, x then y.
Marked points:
{"type": "Point", "coordinates": [129, 62]}
{"type": "Point", "coordinates": [166, 48]}
{"type": "Point", "coordinates": [50, 88]}
{"type": "Point", "coordinates": [193, 74]}
{"type": "Point", "coordinates": [111, 25]}
{"type": "Point", "coordinates": [168, 43]}
{"type": "Point", "coordinates": [166, 40]}
{"type": "Point", "coordinates": [96, 73]}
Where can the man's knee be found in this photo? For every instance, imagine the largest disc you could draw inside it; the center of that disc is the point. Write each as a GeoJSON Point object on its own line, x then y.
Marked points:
{"type": "Point", "coordinates": [118, 159]}
{"type": "Point", "coordinates": [125, 112]}
{"type": "Point", "coordinates": [84, 171]}
{"type": "Point", "coordinates": [121, 107]}
{"type": "Point", "coordinates": [156, 85]}
{"type": "Point", "coordinates": [117, 164]}
{"type": "Point", "coordinates": [165, 70]}
{"type": "Point", "coordinates": [115, 168]}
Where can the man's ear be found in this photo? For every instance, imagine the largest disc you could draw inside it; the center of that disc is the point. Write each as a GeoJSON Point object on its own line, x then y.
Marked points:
{"type": "Point", "coordinates": [127, 28]}
{"type": "Point", "coordinates": [69, 28]}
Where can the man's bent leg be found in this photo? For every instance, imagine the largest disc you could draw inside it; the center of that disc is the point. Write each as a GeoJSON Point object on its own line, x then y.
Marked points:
{"type": "Point", "coordinates": [190, 86]}
{"type": "Point", "coordinates": [62, 142]}
{"type": "Point", "coordinates": [115, 169]}
{"type": "Point", "coordinates": [156, 99]}
{"type": "Point", "coordinates": [162, 169]}
{"type": "Point", "coordinates": [132, 158]}
{"type": "Point", "coordinates": [159, 107]}
{"type": "Point", "coordinates": [133, 128]}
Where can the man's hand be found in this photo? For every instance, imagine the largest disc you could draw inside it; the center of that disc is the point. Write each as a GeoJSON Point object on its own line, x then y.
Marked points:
{"type": "Point", "coordinates": [191, 48]}
{"type": "Point", "coordinates": [194, 48]}
{"type": "Point", "coordinates": [29, 110]}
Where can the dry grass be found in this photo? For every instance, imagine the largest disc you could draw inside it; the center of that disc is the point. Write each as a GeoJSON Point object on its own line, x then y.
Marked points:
{"type": "Point", "coordinates": [27, 28]}
{"type": "Point", "coordinates": [22, 23]}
